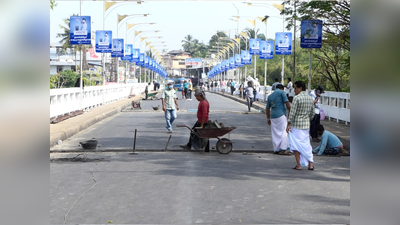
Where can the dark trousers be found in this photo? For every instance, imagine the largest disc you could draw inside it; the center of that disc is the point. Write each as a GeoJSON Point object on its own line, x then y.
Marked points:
{"type": "Point", "coordinates": [185, 91]}
{"type": "Point", "coordinates": [146, 94]}
{"type": "Point", "coordinates": [232, 89]}
{"type": "Point", "coordinates": [189, 144]}
{"type": "Point", "coordinates": [189, 94]}
{"type": "Point", "coordinates": [314, 123]}
{"type": "Point", "coordinates": [249, 102]}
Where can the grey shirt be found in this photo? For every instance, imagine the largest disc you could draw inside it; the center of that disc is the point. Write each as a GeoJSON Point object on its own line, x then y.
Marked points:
{"type": "Point", "coordinates": [169, 96]}
{"type": "Point", "coordinates": [249, 91]}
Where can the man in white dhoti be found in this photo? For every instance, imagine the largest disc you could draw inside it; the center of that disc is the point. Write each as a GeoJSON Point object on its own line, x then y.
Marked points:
{"type": "Point", "coordinates": [276, 115]}
{"type": "Point", "coordinates": [301, 113]}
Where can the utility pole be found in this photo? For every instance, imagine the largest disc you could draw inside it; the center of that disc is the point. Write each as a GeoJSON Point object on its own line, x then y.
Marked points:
{"type": "Point", "coordinates": [294, 43]}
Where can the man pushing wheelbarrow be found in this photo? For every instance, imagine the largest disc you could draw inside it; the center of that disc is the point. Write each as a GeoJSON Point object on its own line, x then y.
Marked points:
{"type": "Point", "coordinates": [203, 129]}
{"type": "Point", "coordinates": [202, 118]}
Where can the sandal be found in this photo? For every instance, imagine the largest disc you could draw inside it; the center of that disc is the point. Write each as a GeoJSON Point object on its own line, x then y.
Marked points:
{"type": "Point", "coordinates": [310, 168]}
{"type": "Point", "coordinates": [295, 168]}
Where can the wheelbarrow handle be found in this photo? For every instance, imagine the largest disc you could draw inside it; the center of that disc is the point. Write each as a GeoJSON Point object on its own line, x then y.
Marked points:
{"type": "Point", "coordinates": [191, 130]}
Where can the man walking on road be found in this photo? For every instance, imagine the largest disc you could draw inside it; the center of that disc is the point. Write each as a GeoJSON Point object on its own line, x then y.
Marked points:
{"type": "Point", "coordinates": [301, 112]}
{"type": "Point", "coordinates": [232, 86]}
{"type": "Point", "coordinates": [276, 115]}
{"type": "Point", "coordinates": [169, 104]}
{"type": "Point", "coordinates": [249, 90]}
{"type": "Point", "coordinates": [185, 89]}
{"type": "Point", "coordinates": [190, 88]}
{"type": "Point", "coordinates": [202, 118]}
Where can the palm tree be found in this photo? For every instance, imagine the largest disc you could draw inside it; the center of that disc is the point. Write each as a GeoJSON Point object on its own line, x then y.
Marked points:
{"type": "Point", "coordinates": [215, 38]}
{"type": "Point", "coordinates": [188, 44]}
{"type": "Point", "coordinates": [251, 32]}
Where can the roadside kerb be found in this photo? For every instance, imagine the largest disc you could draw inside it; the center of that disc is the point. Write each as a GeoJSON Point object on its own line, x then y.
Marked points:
{"type": "Point", "coordinates": [87, 119]}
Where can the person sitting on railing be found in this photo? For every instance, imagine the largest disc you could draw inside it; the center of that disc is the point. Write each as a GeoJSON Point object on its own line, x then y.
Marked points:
{"type": "Point", "coordinates": [330, 143]}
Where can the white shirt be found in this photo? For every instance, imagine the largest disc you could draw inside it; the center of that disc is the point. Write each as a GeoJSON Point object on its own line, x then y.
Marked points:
{"type": "Point", "coordinates": [317, 105]}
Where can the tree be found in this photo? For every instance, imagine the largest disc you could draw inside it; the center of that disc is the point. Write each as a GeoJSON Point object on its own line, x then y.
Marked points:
{"type": "Point", "coordinates": [53, 4]}
{"type": "Point", "coordinates": [66, 78]}
{"type": "Point", "coordinates": [334, 56]}
{"type": "Point", "coordinates": [187, 43]}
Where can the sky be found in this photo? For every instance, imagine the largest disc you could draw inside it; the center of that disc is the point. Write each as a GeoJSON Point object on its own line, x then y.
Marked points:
{"type": "Point", "coordinates": [174, 19]}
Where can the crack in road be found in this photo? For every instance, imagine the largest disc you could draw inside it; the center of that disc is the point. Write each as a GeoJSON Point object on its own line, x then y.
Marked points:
{"type": "Point", "coordinates": [94, 179]}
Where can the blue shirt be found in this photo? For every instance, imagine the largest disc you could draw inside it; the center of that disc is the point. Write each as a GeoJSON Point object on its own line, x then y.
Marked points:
{"type": "Point", "coordinates": [327, 140]}
{"type": "Point", "coordinates": [186, 85]}
{"type": "Point", "coordinates": [233, 84]}
{"type": "Point", "coordinates": [276, 102]}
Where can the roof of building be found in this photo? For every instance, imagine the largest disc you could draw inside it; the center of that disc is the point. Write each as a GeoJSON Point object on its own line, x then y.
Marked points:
{"type": "Point", "coordinates": [176, 52]}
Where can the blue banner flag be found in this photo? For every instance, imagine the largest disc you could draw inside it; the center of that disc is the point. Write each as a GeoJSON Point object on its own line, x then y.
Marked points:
{"type": "Point", "coordinates": [146, 61]}
{"type": "Point", "coordinates": [246, 58]}
{"type": "Point", "coordinates": [311, 34]}
{"type": "Point", "coordinates": [266, 50]}
{"type": "Point", "coordinates": [254, 46]}
{"type": "Point", "coordinates": [232, 63]}
{"type": "Point", "coordinates": [128, 50]}
{"type": "Point", "coordinates": [117, 48]}
{"type": "Point", "coordinates": [283, 43]}
{"type": "Point", "coordinates": [80, 30]}
{"type": "Point", "coordinates": [238, 60]}
{"type": "Point", "coordinates": [136, 55]}
{"type": "Point", "coordinates": [103, 41]}
{"type": "Point", "coordinates": [141, 60]}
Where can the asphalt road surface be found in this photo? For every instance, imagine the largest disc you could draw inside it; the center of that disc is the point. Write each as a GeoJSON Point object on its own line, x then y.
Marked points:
{"type": "Point", "coordinates": [117, 132]}
{"type": "Point", "coordinates": [197, 188]}
{"type": "Point", "coordinates": [173, 187]}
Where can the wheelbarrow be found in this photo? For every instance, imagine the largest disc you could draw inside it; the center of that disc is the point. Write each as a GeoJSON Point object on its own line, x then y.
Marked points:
{"type": "Point", "coordinates": [151, 95]}
{"type": "Point", "coordinates": [201, 136]}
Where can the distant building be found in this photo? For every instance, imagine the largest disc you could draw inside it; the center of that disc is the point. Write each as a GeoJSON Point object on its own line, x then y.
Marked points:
{"type": "Point", "coordinates": [60, 61]}
{"type": "Point", "coordinates": [175, 62]}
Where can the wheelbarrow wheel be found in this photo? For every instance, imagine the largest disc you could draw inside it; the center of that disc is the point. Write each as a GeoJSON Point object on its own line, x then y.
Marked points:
{"type": "Point", "coordinates": [224, 148]}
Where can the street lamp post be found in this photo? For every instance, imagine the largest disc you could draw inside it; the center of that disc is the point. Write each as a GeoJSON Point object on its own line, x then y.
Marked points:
{"type": "Point", "coordinates": [134, 40]}
{"type": "Point", "coordinates": [280, 8]}
{"type": "Point", "coordinates": [119, 19]}
{"type": "Point", "coordinates": [147, 43]}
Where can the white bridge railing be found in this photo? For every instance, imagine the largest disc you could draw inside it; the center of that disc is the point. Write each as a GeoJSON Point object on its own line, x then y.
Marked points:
{"type": "Point", "coordinates": [66, 100]}
{"type": "Point", "coordinates": [336, 105]}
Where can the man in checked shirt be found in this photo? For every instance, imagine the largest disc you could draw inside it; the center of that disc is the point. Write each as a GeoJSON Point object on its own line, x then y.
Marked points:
{"type": "Point", "coordinates": [301, 113]}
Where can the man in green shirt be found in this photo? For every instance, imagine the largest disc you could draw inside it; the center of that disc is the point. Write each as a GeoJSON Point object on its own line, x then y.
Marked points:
{"type": "Point", "coordinates": [169, 104]}
{"type": "Point", "coordinates": [301, 113]}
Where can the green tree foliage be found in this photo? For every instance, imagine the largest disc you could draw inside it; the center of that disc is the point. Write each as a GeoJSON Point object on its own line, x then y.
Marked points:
{"type": "Point", "coordinates": [332, 65]}
{"type": "Point", "coordinates": [67, 79]}
{"type": "Point", "coordinates": [194, 47]}
{"type": "Point", "coordinates": [53, 4]}
{"type": "Point", "coordinates": [64, 79]}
